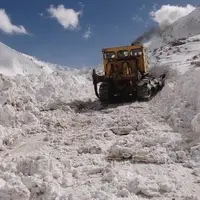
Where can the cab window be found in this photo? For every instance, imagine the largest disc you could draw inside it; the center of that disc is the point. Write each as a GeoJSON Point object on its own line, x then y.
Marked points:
{"type": "Point", "coordinates": [136, 52]}
{"type": "Point", "coordinates": [122, 54]}
{"type": "Point", "coordinates": [109, 55]}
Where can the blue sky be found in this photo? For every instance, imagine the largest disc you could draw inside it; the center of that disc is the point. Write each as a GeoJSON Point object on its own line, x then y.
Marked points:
{"type": "Point", "coordinates": [111, 23]}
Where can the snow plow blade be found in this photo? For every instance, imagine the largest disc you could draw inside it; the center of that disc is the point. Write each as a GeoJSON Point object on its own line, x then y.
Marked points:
{"type": "Point", "coordinates": [97, 79]}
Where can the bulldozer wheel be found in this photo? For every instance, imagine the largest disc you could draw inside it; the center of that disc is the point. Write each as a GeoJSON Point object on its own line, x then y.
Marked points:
{"type": "Point", "coordinates": [105, 92]}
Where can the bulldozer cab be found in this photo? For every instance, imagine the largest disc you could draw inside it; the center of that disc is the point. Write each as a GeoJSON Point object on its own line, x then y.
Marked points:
{"type": "Point", "coordinates": [122, 62]}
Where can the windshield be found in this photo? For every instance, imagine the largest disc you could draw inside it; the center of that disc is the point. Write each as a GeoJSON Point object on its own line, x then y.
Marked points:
{"type": "Point", "coordinates": [136, 52]}
{"type": "Point", "coordinates": [109, 55]}
{"type": "Point", "coordinates": [122, 54]}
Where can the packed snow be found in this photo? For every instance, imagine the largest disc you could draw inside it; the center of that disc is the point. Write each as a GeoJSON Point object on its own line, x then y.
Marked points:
{"type": "Point", "coordinates": [58, 142]}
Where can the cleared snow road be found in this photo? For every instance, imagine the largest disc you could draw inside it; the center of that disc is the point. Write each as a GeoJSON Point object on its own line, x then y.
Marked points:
{"type": "Point", "coordinates": [85, 151]}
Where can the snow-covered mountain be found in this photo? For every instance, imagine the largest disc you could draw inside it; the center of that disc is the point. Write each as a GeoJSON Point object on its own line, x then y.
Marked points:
{"type": "Point", "coordinates": [13, 62]}
{"type": "Point", "coordinates": [183, 28]}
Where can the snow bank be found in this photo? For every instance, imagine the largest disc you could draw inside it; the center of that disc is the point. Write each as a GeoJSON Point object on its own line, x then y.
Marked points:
{"type": "Point", "coordinates": [43, 89]}
{"type": "Point", "coordinates": [22, 98]}
{"type": "Point", "coordinates": [179, 101]}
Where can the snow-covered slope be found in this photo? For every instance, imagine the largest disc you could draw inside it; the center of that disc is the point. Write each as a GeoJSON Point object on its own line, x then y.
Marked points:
{"type": "Point", "coordinates": [183, 28]}
{"type": "Point", "coordinates": [13, 62]}
{"type": "Point", "coordinates": [178, 53]}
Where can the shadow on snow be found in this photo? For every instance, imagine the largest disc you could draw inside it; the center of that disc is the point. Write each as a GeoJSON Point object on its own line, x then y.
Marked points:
{"type": "Point", "coordinates": [91, 106]}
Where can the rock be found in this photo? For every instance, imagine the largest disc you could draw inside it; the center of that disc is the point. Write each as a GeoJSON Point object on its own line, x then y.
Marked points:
{"type": "Point", "coordinates": [90, 150]}
{"type": "Point", "coordinates": [122, 130]}
{"type": "Point", "coordinates": [96, 170]}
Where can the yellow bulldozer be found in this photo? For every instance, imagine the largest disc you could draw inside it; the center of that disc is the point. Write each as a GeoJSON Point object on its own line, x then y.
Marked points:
{"type": "Point", "coordinates": [126, 75]}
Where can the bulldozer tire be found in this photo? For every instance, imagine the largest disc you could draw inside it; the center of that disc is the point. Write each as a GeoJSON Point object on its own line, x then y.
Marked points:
{"type": "Point", "coordinates": [105, 92]}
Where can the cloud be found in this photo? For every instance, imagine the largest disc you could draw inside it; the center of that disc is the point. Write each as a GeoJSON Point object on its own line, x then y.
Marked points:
{"type": "Point", "coordinates": [88, 33]}
{"type": "Point", "coordinates": [137, 18]}
{"type": "Point", "coordinates": [168, 14]}
{"type": "Point", "coordinates": [143, 7]}
{"type": "Point", "coordinates": [154, 7]}
{"type": "Point", "coordinates": [7, 27]}
{"type": "Point", "coordinates": [68, 18]}
{"type": "Point", "coordinates": [41, 14]}
{"type": "Point", "coordinates": [81, 4]}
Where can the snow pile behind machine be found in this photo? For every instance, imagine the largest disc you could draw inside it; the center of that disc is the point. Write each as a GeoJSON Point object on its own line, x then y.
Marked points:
{"type": "Point", "coordinates": [126, 75]}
